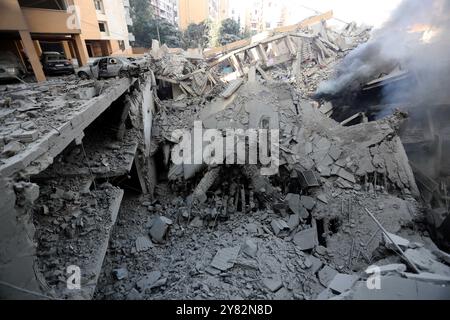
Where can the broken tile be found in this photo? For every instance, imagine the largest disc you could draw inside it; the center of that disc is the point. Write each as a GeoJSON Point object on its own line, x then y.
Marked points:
{"type": "Point", "coordinates": [143, 244]}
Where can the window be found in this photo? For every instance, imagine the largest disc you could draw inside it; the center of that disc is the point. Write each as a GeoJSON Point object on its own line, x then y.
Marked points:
{"type": "Point", "coordinates": [102, 27]}
{"type": "Point", "coordinates": [121, 45]}
{"type": "Point", "coordinates": [99, 5]}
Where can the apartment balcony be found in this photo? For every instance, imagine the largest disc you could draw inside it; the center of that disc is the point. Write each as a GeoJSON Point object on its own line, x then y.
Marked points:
{"type": "Point", "coordinates": [50, 21]}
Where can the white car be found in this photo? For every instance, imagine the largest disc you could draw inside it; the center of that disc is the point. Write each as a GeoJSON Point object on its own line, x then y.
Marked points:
{"type": "Point", "coordinates": [107, 67]}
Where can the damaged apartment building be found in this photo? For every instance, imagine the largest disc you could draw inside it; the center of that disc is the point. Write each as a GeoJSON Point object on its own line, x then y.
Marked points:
{"type": "Point", "coordinates": [89, 182]}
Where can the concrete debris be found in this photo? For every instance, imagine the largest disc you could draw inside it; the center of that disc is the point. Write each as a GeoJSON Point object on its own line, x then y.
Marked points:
{"type": "Point", "coordinates": [121, 273]}
{"type": "Point", "coordinates": [279, 226]}
{"type": "Point", "coordinates": [273, 284]}
{"type": "Point", "coordinates": [342, 282]}
{"type": "Point", "coordinates": [149, 281]}
{"type": "Point", "coordinates": [399, 241]}
{"type": "Point", "coordinates": [12, 148]}
{"type": "Point", "coordinates": [306, 239]}
{"type": "Point", "coordinates": [159, 227]}
{"type": "Point", "coordinates": [250, 248]}
{"type": "Point", "coordinates": [387, 269]}
{"type": "Point", "coordinates": [222, 225]}
{"type": "Point", "coordinates": [326, 275]}
{"type": "Point", "coordinates": [225, 258]}
{"type": "Point", "coordinates": [143, 243]}
{"type": "Point", "coordinates": [307, 202]}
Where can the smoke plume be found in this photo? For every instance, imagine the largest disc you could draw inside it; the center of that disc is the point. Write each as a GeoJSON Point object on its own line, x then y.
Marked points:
{"type": "Point", "coordinates": [417, 38]}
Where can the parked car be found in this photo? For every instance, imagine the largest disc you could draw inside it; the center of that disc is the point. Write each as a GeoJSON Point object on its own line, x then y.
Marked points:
{"type": "Point", "coordinates": [56, 63]}
{"type": "Point", "coordinates": [10, 66]}
{"type": "Point", "coordinates": [106, 67]}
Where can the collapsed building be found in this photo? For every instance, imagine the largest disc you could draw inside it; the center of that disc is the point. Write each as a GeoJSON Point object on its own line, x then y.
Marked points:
{"type": "Point", "coordinates": [90, 181]}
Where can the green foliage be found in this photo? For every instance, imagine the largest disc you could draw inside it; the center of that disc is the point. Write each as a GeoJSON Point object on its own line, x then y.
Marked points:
{"type": "Point", "coordinates": [230, 31]}
{"type": "Point", "coordinates": [146, 27]}
{"type": "Point", "coordinates": [196, 35]}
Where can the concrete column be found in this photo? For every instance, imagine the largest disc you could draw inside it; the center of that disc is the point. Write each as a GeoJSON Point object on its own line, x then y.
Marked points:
{"type": "Point", "coordinates": [80, 50]}
{"type": "Point", "coordinates": [38, 48]}
{"type": "Point", "coordinates": [32, 55]}
{"type": "Point", "coordinates": [66, 48]}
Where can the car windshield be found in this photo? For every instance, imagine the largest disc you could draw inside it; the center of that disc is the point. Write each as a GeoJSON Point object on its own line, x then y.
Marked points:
{"type": "Point", "coordinates": [55, 57]}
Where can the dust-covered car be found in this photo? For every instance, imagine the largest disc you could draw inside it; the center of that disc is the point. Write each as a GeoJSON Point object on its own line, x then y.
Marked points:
{"type": "Point", "coordinates": [107, 67]}
{"type": "Point", "coordinates": [10, 66]}
{"type": "Point", "coordinates": [56, 63]}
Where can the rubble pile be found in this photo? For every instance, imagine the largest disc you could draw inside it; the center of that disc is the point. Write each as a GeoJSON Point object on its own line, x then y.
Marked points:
{"type": "Point", "coordinates": [319, 49]}
{"type": "Point", "coordinates": [190, 76]}
{"type": "Point", "coordinates": [93, 166]}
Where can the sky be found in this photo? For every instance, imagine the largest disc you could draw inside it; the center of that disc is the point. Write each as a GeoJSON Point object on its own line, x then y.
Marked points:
{"type": "Point", "coordinates": [369, 12]}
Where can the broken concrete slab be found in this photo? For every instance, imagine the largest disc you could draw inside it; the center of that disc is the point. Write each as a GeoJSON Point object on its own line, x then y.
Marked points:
{"type": "Point", "coordinates": [386, 269]}
{"type": "Point", "coordinates": [279, 226]}
{"type": "Point", "coordinates": [225, 258]}
{"type": "Point", "coordinates": [306, 239]}
{"type": "Point", "coordinates": [250, 248]}
{"type": "Point", "coordinates": [159, 227]}
{"type": "Point", "coordinates": [294, 221]}
{"type": "Point", "coordinates": [12, 148]}
{"type": "Point", "coordinates": [232, 88]}
{"type": "Point", "coordinates": [397, 288]}
{"type": "Point", "coordinates": [326, 275]}
{"type": "Point", "coordinates": [308, 202]}
{"type": "Point", "coordinates": [273, 284]}
{"type": "Point", "coordinates": [425, 260]}
{"type": "Point", "coordinates": [344, 174]}
{"type": "Point", "coordinates": [428, 277]}
{"type": "Point", "coordinates": [401, 242]}
{"type": "Point", "coordinates": [342, 282]}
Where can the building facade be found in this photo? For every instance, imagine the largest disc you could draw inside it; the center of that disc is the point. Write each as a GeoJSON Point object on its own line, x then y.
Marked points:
{"type": "Point", "coordinates": [197, 11]}
{"type": "Point", "coordinates": [25, 25]}
{"type": "Point", "coordinates": [78, 28]}
{"type": "Point", "coordinates": [165, 9]}
{"type": "Point", "coordinates": [104, 26]}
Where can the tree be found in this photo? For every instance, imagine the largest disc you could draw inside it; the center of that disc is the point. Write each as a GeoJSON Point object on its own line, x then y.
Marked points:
{"type": "Point", "coordinates": [146, 27]}
{"type": "Point", "coordinates": [141, 14]}
{"type": "Point", "coordinates": [196, 35]}
{"type": "Point", "coordinates": [165, 31]}
{"type": "Point", "coordinates": [230, 31]}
